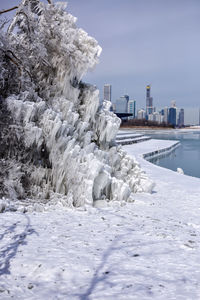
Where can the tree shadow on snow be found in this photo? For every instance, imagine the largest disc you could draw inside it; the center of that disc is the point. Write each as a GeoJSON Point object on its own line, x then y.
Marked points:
{"type": "Point", "coordinates": [100, 274]}
{"type": "Point", "coordinates": [15, 238]}
{"type": "Point", "coordinates": [133, 249]}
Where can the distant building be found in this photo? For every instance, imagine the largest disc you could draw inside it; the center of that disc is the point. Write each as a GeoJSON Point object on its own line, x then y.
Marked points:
{"type": "Point", "coordinates": [166, 114]}
{"type": "Point", "coordinates": [132, 108]}
{"type": "Point", "coordinates": [122, 104]}
{"type": "Point", "coordinates": [126, 98]}
{"type": "Point", "coordinates": [161, 119]}
{"type": "Point", "coordinates": [141, 114]}
{"type": "Point", "coordinates": [149, 101]}
{"type": "Point", "coordinates": [181, 118]}
{"type": "Point", "coordinates": [172, 116]}
{"type": "Point", "coordinates": [107, 92]}
{"type": "Point", "coordinates": [158, 117]}
{"type": "Point", "coordinates": [150, 117]}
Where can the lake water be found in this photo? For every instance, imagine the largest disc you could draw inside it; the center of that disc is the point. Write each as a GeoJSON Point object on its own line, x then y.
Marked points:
{"type": "Point", "coordinates": [186, 156]}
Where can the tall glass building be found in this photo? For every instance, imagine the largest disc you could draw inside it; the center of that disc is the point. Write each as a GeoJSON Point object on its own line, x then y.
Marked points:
{"type": "Point", "coordinates": [132, 108]}
{"type": "Point", "coordinates": [122, 104]}
{"type": "Point", "coordinates": [181, 118]}
{"type": "Point", "coordinates": [172, 116]}
{"type": "Point", "coordinates": [149, 100]}
{"type": "Point", "coordinates": [107, 89]}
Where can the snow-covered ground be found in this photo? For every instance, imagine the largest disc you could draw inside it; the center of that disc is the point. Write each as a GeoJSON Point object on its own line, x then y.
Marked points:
{"type": "Point", "coordinates": [148, 249]}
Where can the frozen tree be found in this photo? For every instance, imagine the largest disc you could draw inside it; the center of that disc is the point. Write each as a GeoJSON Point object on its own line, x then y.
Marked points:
{"type": "Point", "coordinates": [57, 145]}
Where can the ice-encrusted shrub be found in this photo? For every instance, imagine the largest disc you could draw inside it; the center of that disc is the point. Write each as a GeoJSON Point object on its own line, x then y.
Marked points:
{"type": "Point", "coordinates": [68, 152]}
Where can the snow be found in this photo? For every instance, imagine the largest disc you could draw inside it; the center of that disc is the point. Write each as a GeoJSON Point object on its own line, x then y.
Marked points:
{"type": "Point", "coordinates": [180, 171]}
{"type": "Point", "coordinates": [127, 238]}
{"type": "Point", "coordinates": [148, 249]}
{"type": "Point", "coordinates": [132, 140]}
{"type": "Point", "coordinates": [123, 135]}
{"type": "Point", "coordinates": [150, 148]}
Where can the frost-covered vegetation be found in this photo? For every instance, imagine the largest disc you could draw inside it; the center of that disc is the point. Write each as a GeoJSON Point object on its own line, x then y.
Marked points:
{"type": "Point", "coordinates": [57, 145]}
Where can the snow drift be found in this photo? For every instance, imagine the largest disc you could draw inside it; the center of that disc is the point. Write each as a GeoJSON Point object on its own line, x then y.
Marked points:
{"type": "Point", "coordinates": [57, 145]}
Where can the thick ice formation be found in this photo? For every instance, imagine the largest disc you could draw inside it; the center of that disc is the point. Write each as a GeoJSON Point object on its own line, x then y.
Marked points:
{"type": "Point", "coordinates": [60, 142]}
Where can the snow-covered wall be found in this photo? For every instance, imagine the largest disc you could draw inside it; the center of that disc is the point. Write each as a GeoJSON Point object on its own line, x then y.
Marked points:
{"type": "Point", "coordinates": [67, 149]}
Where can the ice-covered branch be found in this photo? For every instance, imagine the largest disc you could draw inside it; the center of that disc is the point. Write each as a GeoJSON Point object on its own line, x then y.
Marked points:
{"type": "Point", "coordinates": [3, 23]}
{"type": "Point", "coordinates": [7, 10]}
{"type": "Point", "coordinates": [14, 61]}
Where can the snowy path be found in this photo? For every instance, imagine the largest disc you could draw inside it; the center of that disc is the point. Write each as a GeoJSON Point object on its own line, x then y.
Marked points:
{"type": "Point", "coordinates": [146, 250]}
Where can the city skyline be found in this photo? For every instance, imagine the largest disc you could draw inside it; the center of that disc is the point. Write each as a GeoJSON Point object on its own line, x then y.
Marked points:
{"type": "Point", "coordinates": [191, 115]}
{"type": "Point", "coordinates": [144, 42]}
{"type": "Point", "coordinates": [172, 115]}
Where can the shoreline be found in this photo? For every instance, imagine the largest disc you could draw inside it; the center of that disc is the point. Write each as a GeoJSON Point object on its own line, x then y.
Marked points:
{"type": "Point", "coordinates": [156, 148]}
{"type": "Point", "coordinates": [147, 128]}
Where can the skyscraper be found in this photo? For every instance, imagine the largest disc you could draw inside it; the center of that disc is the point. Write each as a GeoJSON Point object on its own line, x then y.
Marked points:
{"type": "Point", "coordinates": [165, 119]}
{"type": "Point", "coordinates": [126, 98]}
{"type": "Point", "coordinates": [107, 92]}
{"type": "Point", "coordinates": [149, 100]}
{"type": "Point", "coordinates": [122, 104]}
{"type": "Point", "coordinates": [181, 118]}
{"type": "Point", "coordinates": [132, 108]}
{"type": "Point", "coordinates": [172, 116]}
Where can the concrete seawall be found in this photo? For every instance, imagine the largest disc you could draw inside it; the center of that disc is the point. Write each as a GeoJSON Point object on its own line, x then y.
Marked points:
{"type": "Point", "coordinates": [162, 151]}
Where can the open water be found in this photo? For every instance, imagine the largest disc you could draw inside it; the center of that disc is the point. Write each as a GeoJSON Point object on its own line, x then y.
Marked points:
{"type": "Point", "coordinates": [186, 156]}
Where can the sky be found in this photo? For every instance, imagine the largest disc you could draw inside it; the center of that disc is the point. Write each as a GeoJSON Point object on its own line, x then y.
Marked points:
{"type": "Point", "coordinates": [144, 42]}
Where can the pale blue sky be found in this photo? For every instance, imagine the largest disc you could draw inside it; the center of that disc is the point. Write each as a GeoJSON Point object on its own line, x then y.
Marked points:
{"type": "Point", "coordinates": [144, 41]}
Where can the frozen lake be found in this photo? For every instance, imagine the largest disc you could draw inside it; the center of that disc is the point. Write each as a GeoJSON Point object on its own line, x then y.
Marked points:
{"type": "Point", "coordinates": [186, 156]}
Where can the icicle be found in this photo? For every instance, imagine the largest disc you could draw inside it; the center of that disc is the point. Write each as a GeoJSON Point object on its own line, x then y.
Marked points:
{"type": "Point", "coordinates": [68, 154]}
